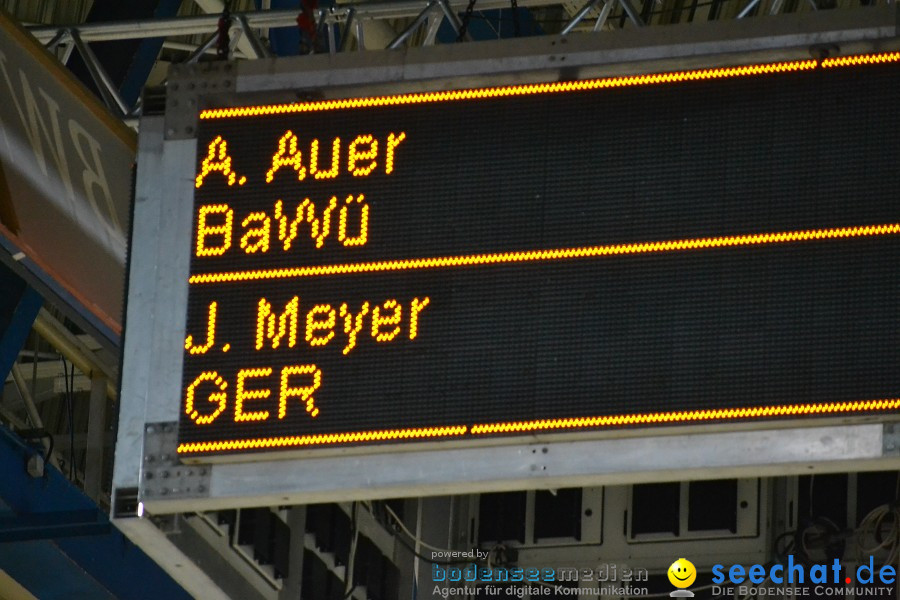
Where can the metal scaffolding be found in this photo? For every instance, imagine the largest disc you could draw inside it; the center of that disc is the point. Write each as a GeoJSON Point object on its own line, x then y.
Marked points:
{"type": "Point", "coordinates": [388, 25]}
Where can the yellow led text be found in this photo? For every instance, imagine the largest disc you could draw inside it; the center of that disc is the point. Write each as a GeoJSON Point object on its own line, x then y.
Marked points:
{"type": "Point", "coordinates": [320, 324]}
{"type": "Point", "coordinates": [217, 398]}
{"type": "Point", "coordinates": [332, 172]}
{"type": "Point", "coordinates": [356, 155]}
{"type": "Point", "coordinates": [393, 312]}
{"type": "Point", "coordinates": [363, 235]}
{"type": "Point", "coordinates": [219, 231]}
{"type": "Point", "coordinates": [296, 383]}
{"type": "Point", "coordinates": [256, 238]}
{"type": "Point", "coordinates": [386, 322]}
{"type": "Point", "coordinates": [266, 321]}
{"type": "Point", "coordinates": [216, 229]}
{"type": "Point", "coordinates": [217, 159]}
{"type": "Point", "coordinates": [210, 333]}
{"type": "Point", "coordinates": [287, 156]}
{"type": "Point", "coordinates": [415, 307]}
{"type": "Point", "coordinates": [319, 227]}
{"type": "Point", "coordinates": [303, 392]}
{"type": "Point", "coordinates": [353, 324]}
{"type": "Point", "coordinates": [242, 394]}
{"type": "Point", "coordinates": [362, 157]}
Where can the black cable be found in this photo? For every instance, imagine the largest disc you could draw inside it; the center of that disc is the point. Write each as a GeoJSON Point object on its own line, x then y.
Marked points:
{"type": "Point", "coordinates": [464, 25]}
{"type": "Point", "coordinates": [782, 553]}
{"type": "Point", "coordinates": [412, 549]}
{"type": "Point", "coordinates": [348, 573]}
{"type": "Point", "coordinates": [223, 41]}
{"type": "Point", "coordinates": [823, 531]}
{"type": "Point", "coordinates": [70, 417]}
{"type": "Point", "coordinates": [49, 448]}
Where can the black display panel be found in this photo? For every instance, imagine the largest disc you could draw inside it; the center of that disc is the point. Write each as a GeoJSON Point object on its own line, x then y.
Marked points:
{"type": "Point", "coordinates": [694, 247]}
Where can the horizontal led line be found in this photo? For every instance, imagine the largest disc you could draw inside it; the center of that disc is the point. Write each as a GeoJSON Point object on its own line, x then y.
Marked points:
{"type": "Point", "coordinates": [862, 59]}
{"type": "Point", "coordinates": [687, 416]}
{"type": "Point", "coordinates": [550, 88]}
{"type": "Point", "coordinates": [328, 438]}
{"type": "Point", "coordinates": [514, 90]}
{"type": "Point", "coordinates": [547, 255]}
{"type": "Point", "coordinates": [544, 425]}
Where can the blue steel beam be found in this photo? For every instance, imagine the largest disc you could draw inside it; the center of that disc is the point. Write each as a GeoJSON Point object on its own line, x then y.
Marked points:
{"type": "Point", "coordinates": [86, 558]}
{"type": "Point", "coordinates": [51, 525]}
{"type": "Point", "coordinates": [127, 62]}
{"type": "Point", "coordinates": [47, 574]}
{"type": "Point", "coordinates": [484, 25]}
{"type": "Point", "coordinates": [494, 24]}
{"type": "Point", "coordinates": [19, 306]}
{"type": "Point", "coordinates": [284, 41]}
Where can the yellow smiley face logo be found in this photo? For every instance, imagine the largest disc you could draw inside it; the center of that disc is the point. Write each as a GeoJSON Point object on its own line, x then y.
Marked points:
{"type": "Point", "coordinates": [682, 573]}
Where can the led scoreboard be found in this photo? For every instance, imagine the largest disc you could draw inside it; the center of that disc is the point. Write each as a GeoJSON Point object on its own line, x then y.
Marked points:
{"type": "Point", "coordinates": [674, 248]}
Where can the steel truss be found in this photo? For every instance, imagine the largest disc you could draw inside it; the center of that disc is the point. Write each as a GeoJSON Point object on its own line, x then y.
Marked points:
{"type": "Point", "coordinates": [390, 25]}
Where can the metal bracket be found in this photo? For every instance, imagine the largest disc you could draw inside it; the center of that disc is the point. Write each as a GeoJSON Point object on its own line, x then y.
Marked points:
{"type": "Point", "coordinates": [187, 82]}
{"type": "Point", "coordinates": [163, 475]}
{"type": "Point", "coordinates": [890, 439]}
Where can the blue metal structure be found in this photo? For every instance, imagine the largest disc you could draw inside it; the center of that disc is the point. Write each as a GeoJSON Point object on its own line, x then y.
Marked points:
{"type": "Point", "coordinates": [494, 24]}
{"type": "Point", "coordinates": [285, 41]}
{"type": "Point", "coordinates": [128, 62]}
{"type": "Point", "coordinates": [57, 543]}
{"type": "Point", "coordinates": [19, 305]}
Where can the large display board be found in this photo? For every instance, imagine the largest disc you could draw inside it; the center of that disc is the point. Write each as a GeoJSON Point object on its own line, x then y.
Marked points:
{"type": "Point", "coordinates": [690, 247]}
{"type": "Point", "coordinates": [66, 175]}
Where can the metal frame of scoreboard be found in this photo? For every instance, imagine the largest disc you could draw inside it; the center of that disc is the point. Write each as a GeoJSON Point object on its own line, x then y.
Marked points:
{"type": "Point", "coordinates": [150, 476]}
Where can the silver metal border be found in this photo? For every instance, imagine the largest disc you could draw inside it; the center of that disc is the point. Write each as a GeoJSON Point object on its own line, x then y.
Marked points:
{"type": "Point", "coordinates": [158, 292]}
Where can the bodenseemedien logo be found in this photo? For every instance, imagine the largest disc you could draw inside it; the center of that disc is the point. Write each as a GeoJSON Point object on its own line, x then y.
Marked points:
{"type": "Point", "coordinates": [682, 574]}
